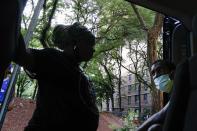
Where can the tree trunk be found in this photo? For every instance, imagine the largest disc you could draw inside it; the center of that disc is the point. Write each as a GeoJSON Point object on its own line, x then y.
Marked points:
{"type": "Point", "coordinates": [139, 94]}
{"type": "Point", "coordinates": [152, 38]}
{"type": "Point", "coordinates": [119, 93]}
{"type": "Point", "coordinates": [107, 103]}
{"type": "Point", "coordinates": [48, 24]}
{"type": "Point", "coordinates": [21, 92]}
{"type": "Point", "coordinates": [111, 85]}
{"type": "Point", "coordinates": [112, 101]}
{"type": "Point", "coordinates": [35, 90]}
{"type": "Point", "coordinates": [17, 91]}
{"type": "Point", "coordinates": [101, 106]}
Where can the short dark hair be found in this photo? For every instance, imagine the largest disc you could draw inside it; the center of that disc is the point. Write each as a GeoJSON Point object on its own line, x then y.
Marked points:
{"type": "Point", "coordinates": [165, 63]}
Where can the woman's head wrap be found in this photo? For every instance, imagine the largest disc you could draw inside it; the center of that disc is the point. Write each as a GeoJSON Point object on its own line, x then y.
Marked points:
{"type": "Point", "coordinates": [64, 35]}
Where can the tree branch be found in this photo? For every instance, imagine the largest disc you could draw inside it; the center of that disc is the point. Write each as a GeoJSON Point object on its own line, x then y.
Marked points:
{"type": "Point", "coordinates": [140, 18]}
{"type": "Point", "coordinates": [47, 26]}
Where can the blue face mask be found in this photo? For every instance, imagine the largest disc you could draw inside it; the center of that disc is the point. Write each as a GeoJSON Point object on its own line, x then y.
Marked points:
{"type": "Point", "coordinates": [163, 83]}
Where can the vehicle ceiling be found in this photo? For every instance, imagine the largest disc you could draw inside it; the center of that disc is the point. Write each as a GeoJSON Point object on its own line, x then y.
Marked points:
{"type": "Point", "coordinates": [183, 10]}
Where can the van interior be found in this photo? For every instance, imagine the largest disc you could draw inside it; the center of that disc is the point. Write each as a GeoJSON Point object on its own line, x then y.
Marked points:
{"type": "Point", "coordinates": [180, 47]}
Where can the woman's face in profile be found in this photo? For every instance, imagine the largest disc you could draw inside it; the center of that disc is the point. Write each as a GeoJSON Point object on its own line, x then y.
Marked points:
{"type": "Point", "coordinates": [85, 50]}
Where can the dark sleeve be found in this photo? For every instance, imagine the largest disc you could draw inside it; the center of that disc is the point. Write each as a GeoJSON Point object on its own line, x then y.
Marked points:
{"type": "Point", "coordinates": [157, 118]}
{"type": "Point", "coordinates": [48, 63]}
{"type": "Point", "coordinates": [42, 62]}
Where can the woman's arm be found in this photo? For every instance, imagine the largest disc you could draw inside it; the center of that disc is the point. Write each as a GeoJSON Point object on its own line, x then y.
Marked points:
{"type": "Point", "coordinates": [23, 56]}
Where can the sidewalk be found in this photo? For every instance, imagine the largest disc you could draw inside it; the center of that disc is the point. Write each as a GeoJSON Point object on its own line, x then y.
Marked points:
{"type": "Point", "coordinates": [18, 117]}
{"type": "Point", "coordinates": [108, 122]}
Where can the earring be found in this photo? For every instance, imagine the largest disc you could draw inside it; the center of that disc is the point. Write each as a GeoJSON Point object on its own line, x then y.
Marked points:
{"type": "Point", "coordinates": [74, 48]}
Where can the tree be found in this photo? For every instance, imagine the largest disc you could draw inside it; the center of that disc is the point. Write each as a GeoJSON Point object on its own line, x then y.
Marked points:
{"type": "Point", "coordinates": [101, 82]}
{"type": "Point", "coordinates": [48, 13]}
{"type": "Point", "coordinates": [35, 91]}
{"type": "Point", "coordinates": [118, 24]}
{"type": "Point", "coordinates": [110, 78]}
{"type": "Point", "coordinates": [22, 84]}
{"type": "Point", "coordinates": [119, 62]}
{"type": "Point", "coordinates": [153, 33]}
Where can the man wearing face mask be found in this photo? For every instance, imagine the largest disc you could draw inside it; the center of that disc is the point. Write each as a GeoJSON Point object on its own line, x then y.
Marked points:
{"type": "Point", "coordinates": [162, 73]}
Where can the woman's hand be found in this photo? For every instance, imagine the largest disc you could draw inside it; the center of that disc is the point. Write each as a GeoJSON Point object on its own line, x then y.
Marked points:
{"type": "Point", "coordinates": [23, 56]}
{"type": "Point", "coordinates": [20, 52]}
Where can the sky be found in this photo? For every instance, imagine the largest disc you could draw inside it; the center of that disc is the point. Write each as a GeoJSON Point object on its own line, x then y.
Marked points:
{"type": "Point", "coordinates": [60, 17]}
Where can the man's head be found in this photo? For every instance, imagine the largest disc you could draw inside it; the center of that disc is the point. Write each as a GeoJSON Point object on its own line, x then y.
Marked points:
{"type": "Point", "coordinates": [77, 37]}
{"type": "Point", "coordinates": [162, 72]}
{"type": "Point", "coordinates": [161, 67]}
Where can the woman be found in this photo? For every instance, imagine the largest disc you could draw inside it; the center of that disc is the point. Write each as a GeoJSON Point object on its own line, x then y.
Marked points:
{"type": "Point", "coordinates": [64, 99]}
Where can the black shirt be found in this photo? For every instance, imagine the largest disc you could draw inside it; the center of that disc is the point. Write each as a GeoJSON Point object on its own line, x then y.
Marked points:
{"type": "Point", "coordinates": [64, 98]}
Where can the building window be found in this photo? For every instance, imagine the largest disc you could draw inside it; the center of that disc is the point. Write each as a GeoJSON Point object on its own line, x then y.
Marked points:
{"type": "Point", "coordinates": [129, 77]}
{"type": "Point", "coordinates": [145, 86]}
{"type": "Point", "coordinates": [129, 100]}
{"type": "Point", "coordinates": [136, 86]}
{"type": "Point", "coordinates": [129, 88]}
{"type": "Point", "coordinates": [136, 99]}
{"type": "Point", "coordinates": [145, 97]}
{"type": "Point", "coordinates": [133, 87]}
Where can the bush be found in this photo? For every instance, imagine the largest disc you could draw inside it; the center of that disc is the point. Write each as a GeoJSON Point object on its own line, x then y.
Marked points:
{"type": "Point", "coordinates": [131, 122]}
